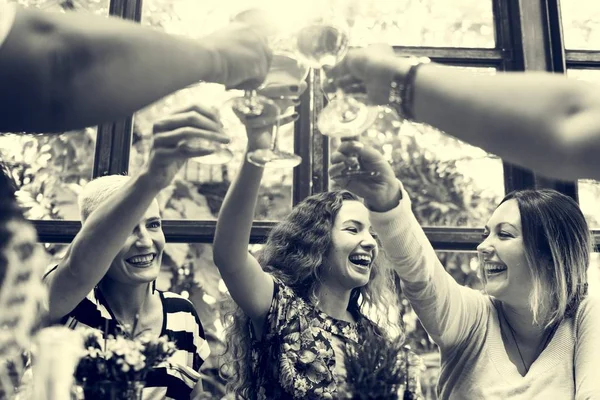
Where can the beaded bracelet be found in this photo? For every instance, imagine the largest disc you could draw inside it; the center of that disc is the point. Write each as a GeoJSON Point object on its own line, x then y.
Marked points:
{"type": "Point", "coordinates": [402, 88]}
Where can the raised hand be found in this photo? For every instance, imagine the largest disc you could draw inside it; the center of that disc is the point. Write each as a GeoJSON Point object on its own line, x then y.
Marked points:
{"type": "Point", "coordinates": [369, 69]}
{"type": "Point", "coordinates": [381, 191]}
{"type": "Point", "coordinates": [173, 138]}
{"type": "Point", "coordinates": [259, 128]}
{"type": "Point", "coordinates": [240, 54]}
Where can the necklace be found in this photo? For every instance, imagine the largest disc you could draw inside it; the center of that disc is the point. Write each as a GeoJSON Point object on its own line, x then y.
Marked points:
{"type": "Point", "coordinates": [512, 333]}
{"type": "Point", "coordinates": [548, 335]}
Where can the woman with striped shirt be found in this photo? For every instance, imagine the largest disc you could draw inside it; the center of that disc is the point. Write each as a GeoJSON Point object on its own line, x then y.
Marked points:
{"type": "Point", "coordinates": [106, 280]}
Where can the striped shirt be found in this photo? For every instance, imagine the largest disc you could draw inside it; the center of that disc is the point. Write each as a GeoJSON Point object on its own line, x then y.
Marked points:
{"type": "Point", "coordinates": [174, 379]}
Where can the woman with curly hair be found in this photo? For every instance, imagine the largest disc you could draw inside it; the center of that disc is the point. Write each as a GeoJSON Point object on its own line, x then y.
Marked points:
{"type": "Point", "coordinates": [315, 288]}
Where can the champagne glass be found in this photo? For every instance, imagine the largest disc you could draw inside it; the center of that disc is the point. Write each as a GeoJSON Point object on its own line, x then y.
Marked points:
{"type": "Point", "coordinates": [221, 153]}
{"type": "Point", "coordinates": [285, 69]}
{"type": "Point", "coordinates": [323, 43]}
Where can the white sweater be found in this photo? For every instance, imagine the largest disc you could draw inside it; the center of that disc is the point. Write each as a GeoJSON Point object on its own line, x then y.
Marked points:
{"type": "Point", "coordinates": [464, 324]}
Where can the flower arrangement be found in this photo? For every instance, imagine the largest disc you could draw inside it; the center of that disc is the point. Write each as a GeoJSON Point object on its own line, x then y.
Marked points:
{"type": "Point", "coordinates": [117, 367]}
{"type": "Point", "coordinates": [379, 369]}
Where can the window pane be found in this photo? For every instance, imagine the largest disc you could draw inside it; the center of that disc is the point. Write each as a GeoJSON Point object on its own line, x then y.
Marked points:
{"type": "Point", "coordinates": [457, 23]}
{"type": "Point", "coordinates": [198, 191]}
{"type": "Point", "coordinates": [588, 189]}
{"type": "Point", "coordinates": [99, 7]}
{"type": "Point", "coordinates": [450, 183]}
{"type": "Point", "coordinates": [49, 171]}
{"type": "Point", "coordinates": [581, 24]}
{"type": "Point", "coordinates": [205, 185]}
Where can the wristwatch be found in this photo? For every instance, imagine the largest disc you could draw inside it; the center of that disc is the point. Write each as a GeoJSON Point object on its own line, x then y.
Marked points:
{"type": "Point", "coordinates": [402, 88]}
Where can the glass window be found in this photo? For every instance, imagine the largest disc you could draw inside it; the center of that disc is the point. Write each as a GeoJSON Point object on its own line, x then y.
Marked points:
{"type": "Point", "coordinates": [460, 23]}
{"type": "Point", "coordinates": [457, 23]}
{"type": "Point", "coordinates": [581, 24]}
{"type": "Point", "coordinates": [588, 189]}
{"type": "Point", "coordinates": [49, 171]}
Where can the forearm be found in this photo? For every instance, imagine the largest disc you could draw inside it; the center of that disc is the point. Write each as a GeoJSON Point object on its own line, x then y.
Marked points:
{"type": "Point", "coordinates": [533, 119]}
{"type": "Point", "coordinates": [60, 72]}
{"type": "Point", "coordinates": [441, 304]}
{"type": "Point", "coordinates": [98, 242]}
{"type": "Point", "coordinates": [232, 236]}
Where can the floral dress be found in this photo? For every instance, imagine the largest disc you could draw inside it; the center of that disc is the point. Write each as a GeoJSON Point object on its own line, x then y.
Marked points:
{"type": "Point", "coordinates": [295, 358]}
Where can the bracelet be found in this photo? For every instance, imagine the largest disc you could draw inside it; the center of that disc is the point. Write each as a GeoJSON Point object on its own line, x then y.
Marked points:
{"type": "Point", "coordinates": [402, 88]}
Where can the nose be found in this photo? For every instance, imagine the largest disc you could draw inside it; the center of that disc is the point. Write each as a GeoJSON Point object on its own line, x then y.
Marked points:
{"type": "Point", "coordinates": [368, 242]}
{"type": "Point", "coordinates": [143, 238]}
{"type": "Point", "coordinates": [485, 248]}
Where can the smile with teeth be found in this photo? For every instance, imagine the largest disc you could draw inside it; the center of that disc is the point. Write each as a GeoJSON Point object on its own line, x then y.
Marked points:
{"type": "Point", "coordinates": [493, 268]}
{"type": "Point", "coordinates": [361, 260]}
{"type": "Point", "coordinates": [141, 261]}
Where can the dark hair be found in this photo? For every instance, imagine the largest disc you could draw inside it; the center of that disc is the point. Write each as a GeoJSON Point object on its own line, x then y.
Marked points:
{"type": "Point", "coordinates": [294, 254]}
{"type": "Point", "coordinates": [557, 245]}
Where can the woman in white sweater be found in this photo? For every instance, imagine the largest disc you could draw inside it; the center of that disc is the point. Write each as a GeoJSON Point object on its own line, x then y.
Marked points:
{"type": "Point", "coordinates": [533, 333]}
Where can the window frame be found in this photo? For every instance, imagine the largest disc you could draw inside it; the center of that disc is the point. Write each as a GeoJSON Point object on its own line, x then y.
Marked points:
{"type": "Point", "coordinates": [528, 37]}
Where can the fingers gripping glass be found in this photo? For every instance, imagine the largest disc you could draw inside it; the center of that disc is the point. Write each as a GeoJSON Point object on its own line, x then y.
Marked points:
{"type": "Point", "coordinates": [322, 43]}
{"type": "Point", "coordinates": [285, 70]}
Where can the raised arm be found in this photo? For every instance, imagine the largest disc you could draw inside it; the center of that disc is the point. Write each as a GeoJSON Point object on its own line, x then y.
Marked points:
{"type": "Point", "coordinates": [65, 71]}
{"type": "Point", "coordinates": [447, 310]}
{"type": "Point", "coordinates": [106, 229]}
{"type": "Point", "coordinates": [250, 287]}
{"type": "Point", "coordinates": [532, 119]}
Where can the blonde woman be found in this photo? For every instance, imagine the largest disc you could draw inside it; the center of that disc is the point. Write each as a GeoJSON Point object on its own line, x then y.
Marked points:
{"type": "Point", "coordinates": [107, 279]}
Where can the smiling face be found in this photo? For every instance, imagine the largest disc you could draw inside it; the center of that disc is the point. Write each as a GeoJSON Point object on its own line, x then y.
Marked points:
{"type": "Point", "coordinates": [502, 256]}
{"type": "Point", "coordinates": [140, 257]}
{"type": "Point", "coordinates": [349, 261]}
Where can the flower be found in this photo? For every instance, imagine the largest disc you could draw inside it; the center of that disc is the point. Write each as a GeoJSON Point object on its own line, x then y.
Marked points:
{"type": "Point", "coordinates": [119, 358]}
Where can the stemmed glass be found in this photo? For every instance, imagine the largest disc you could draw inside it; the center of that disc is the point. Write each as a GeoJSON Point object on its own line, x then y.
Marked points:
{"type": "Point", "coordinates": [323, 43]}
{"type": "Point", "coordinates": [221, 154]}
{"type": "Point", "coordinates": [285, 69]}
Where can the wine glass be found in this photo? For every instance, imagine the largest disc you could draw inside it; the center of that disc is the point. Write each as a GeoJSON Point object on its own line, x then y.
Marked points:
{"type": "Point", "coordinates": [221, 154]}
{"type": "Point", "coordinates": [285, 69]}
{"type": "Point", "coordinates": [323, 43]}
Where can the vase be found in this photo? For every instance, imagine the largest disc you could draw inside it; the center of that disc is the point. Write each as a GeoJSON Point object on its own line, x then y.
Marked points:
{"type": "Point", "coordinates": [113, 390]}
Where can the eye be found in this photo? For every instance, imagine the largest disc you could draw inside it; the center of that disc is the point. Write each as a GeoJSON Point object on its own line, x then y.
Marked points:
{"type": "Point", "coordinates": [374, 235]}
{"type": "Point", "coordinates": [352, 229]}
{"type": "Point", "coordinates": [485, 235]}
{"type": "Point", "coordinates": [504, 234]}
{"type": "Point", "coordinates": [154, 224]}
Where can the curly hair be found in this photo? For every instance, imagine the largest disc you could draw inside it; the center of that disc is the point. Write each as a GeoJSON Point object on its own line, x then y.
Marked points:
{"type": "Point", "coordinates": [294, 253]}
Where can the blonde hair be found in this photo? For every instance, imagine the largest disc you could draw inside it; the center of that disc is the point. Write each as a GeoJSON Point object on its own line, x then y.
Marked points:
{"type": "Point", "coordinates": [95, 192]}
